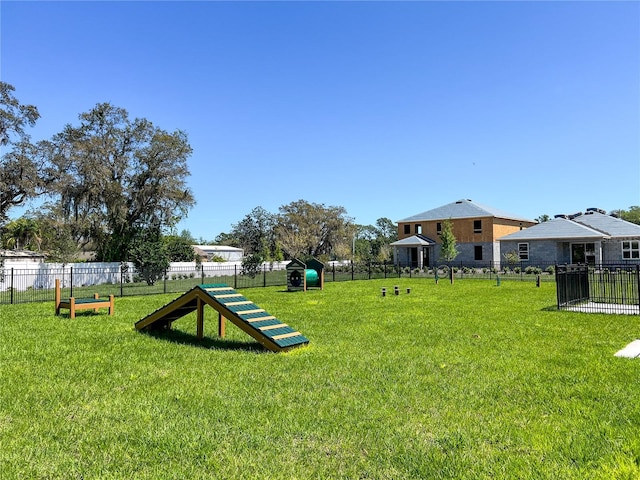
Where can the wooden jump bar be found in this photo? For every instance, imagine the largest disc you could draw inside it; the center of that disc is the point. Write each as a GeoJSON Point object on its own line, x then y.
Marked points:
{"type": "Point", "coordinates": [74, 304]}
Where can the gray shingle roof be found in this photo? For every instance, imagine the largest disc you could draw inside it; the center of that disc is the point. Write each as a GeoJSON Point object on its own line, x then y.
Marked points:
{"type": "Point", "coordinates": [556, 229]}
{"type": "Point", "coordinates": [462, 209]}
{"type": "Point", "coordinates": [414, 240]}
{"type": "Point", "coordinates": [612, 226]}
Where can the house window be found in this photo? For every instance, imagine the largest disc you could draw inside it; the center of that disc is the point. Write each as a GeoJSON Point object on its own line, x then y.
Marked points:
{"type": "Point", "coordinates": [407, 229]}
{"type": "Point", "coordinates": [583, 253]}
{"type": "Point", "coordinates": [477, 226]}
{"type": "Point", "coordinates": [418, 229]}
{"type": "Point", "coordinates": [438, 228]}
{"type": "Point", "coordinates": [477, 250]}
{"type": "Point", "coordinates": [630, 249]}
{"type": "Point", "coordinates": [523, 251]}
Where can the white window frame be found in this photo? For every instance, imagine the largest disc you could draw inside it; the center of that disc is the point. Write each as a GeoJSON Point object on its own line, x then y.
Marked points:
{"type": "Point", "coordinates": [630, 249]}
{"type": "Point", "coordinates": [523, 253]}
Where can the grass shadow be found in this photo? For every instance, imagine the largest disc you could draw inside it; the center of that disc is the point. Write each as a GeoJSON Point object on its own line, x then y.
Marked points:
{"type": "Point", "coordinates": [183, 338]}
{"type": "Point", "coordinates": [550, 308]}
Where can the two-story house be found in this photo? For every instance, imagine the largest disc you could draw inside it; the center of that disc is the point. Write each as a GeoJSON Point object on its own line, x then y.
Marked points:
{"type": "Point", "coordinates": [476, 228]}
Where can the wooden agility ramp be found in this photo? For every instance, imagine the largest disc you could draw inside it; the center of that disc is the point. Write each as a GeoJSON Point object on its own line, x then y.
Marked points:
{"type": "Point", "coordinates": [230, 305]}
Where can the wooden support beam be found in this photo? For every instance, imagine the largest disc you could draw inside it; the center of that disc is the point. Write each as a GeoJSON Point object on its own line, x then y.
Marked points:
{"type": "Point", "coordinates": [72, 307]}
{"type": "Point", "coordinates": [221, 325]}
{"type": "Point", "coordinates": [200, 325]}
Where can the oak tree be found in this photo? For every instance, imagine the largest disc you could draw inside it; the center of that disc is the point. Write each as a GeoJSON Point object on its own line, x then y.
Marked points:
{"type": "Point", "coordinates": [115, 176]}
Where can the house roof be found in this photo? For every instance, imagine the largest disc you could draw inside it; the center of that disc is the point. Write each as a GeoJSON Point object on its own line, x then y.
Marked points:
{"type": "Point", "coordinates": [612, 226]}
{"type": "Point", "coordinates": [217, 248]}
{"type": "Point", "coordinates": [21, 254]}
{"type": "Point", "coordinates": [414, 240]}
{"type": "Point", "coordinates": [556, 229]}
{"type": "Point", "coordinates": [464, 208]}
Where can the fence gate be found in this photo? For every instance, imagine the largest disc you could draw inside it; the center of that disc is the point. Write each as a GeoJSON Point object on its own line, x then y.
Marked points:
{"type": "Point", "coordinates": [572, 284]}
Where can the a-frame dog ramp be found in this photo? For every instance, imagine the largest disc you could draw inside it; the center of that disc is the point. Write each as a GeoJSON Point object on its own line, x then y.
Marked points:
{"type": "Point", "coordinates": [231, 305]}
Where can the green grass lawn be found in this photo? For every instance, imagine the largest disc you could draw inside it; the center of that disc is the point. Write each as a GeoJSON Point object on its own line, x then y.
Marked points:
{"type": "Point", "coordinates": [465, 381]}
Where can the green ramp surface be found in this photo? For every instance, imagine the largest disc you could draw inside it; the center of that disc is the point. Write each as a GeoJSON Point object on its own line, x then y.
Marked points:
{"type": "Point", "coordinates": [232, 305]}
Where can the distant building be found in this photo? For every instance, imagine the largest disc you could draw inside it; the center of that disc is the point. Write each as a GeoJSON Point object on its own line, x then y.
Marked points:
{"type": "Point", "coordinates": [21, 257]}
{"type": "Point", "coordinates": [476, 227]}
{"type": "Point", "coordinates": [208, 252]}
{"type": "Point", "coordinates": [591, 237]}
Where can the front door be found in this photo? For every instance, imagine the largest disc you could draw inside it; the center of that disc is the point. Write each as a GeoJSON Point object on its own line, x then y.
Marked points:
{"type": "Point", "coordinates": [414, 256]}
{"type": "Point", "coordinates": [583, 253]}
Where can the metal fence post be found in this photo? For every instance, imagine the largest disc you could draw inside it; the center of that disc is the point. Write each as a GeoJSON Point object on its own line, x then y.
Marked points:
{"type": "Point", "coordinates": [202, 270]}
{"type": "Point", "coordinates": [638, 283]}
{"type": "Point", "coordinates": [164, 281]}
{"type": "Point", "coordinates": [71, 281]}
{"type": "Point", "coordinates": [11, 287]}
{"type": "Point", "coordinates": [235, 277]}
{"type": "Point", "coordinates": [264, 275]}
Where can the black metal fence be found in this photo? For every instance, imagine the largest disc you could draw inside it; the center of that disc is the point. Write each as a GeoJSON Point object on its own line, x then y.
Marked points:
{"type": "Point", "coordinates": [34, 285]}
{"type": "Point", "coordinates": [599, 289]}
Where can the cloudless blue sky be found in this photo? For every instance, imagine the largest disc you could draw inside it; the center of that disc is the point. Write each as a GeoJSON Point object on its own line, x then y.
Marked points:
{"type": "Point", "coordinates": [387, 109]}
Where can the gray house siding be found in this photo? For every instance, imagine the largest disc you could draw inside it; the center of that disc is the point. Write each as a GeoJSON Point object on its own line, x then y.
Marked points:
{"type": "Point", "coordinates": [541, 252]}
{"type": "Point", "coordinates": [612, 251]}
{"type": "Point", "coordinates": [467, 253]}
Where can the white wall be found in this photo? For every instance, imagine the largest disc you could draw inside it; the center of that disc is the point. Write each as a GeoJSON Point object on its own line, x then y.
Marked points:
{"type": "Point", "coordinates": [42, 275]}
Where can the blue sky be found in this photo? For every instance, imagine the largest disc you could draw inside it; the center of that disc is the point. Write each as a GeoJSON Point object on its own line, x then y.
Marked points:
{"type": "Point", "coordinates": [387, 109]}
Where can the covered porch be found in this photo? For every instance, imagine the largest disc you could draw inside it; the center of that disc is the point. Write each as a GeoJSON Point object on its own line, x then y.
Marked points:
{"type": "Point", "coordinates": [416, 251]}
